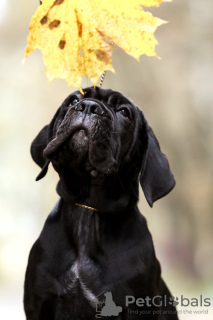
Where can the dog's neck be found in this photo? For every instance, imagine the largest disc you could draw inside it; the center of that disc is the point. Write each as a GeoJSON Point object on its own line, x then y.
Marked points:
{"type": "Point", "coordinates": [81, 226]}
{"type": "Point", "coordinates": [89, 229]}
{"type": "Point", "coordinates": [113, 194]}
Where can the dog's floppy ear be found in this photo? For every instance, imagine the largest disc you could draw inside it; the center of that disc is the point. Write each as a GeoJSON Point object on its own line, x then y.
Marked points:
{"type": "Point", "coordinates": [156, 177]}
{"type": "Point", "coordinates": [37, 147]}
{"type": "Point", "coordinates": [39, 144]}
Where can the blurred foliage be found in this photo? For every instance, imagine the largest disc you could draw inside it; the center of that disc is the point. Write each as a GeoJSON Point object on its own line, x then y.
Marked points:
{"type": "Point", "coordinates": [176, 96]}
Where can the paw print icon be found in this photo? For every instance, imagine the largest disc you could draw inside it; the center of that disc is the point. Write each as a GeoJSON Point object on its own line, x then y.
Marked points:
{"type": "Point", "coordinates": [173, 301]}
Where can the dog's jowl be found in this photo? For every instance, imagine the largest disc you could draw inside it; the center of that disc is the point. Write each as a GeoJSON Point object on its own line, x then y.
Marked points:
{"type": "Point", "coordinates": [95, 257]}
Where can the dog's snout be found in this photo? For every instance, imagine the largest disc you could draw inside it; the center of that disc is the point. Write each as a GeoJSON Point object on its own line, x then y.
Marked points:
{"type": "Point", "coordinates": [90, 107]}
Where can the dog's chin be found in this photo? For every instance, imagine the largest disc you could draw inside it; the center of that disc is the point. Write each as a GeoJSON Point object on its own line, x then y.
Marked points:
{"type": "Point", "coordinates": [74, 155]}
{"type": "Point", "coordinates": [81, 153]}
{"type": "Point", "coordinates": [79, 144]}
{"type": "Point", "coordinates": [79, 147]}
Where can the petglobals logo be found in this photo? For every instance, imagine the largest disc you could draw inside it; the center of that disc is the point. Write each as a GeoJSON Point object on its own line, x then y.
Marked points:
{"type": "Point", "coordinates": [159, 301]}
{"type": "Point", "coordinates": [107, 307]}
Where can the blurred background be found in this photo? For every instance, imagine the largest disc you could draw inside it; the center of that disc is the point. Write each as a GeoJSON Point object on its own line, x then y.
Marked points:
{"type": "Point", "coordinates": [176, 95]}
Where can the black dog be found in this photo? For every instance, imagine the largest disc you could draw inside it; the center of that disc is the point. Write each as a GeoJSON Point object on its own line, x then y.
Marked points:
{"type": "Point", "coordinates": [95, 243]}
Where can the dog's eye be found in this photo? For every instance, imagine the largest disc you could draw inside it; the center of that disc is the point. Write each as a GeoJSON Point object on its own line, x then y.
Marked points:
{"type": "Point", "coordinates": [125, 112]}
{"type": "Point", "coordinates": [73, 101]}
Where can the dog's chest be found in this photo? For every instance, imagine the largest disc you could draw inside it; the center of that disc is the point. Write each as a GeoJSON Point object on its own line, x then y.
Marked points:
{"type": "Point", "coordinates": [77, 281]}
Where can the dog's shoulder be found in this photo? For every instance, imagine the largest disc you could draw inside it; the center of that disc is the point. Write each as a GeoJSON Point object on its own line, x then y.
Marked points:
{"type": "Point", "coordinates": [52, 244]}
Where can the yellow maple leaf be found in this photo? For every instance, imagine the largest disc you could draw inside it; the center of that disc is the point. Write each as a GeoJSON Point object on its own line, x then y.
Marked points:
{"type": "Point", "coordinates": [76, 36]}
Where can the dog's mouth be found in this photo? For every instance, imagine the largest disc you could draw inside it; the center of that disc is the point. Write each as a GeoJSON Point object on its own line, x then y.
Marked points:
{"type": "Point", "coordinates": [74, 144]}
{"type": "Point", "coordinates": [81, 148]}
{"type": "Point", "coordinates": [79, 143]}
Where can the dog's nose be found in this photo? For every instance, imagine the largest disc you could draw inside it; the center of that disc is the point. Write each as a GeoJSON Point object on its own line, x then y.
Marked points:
{"type": "Point", "coordinates": [90, 107]}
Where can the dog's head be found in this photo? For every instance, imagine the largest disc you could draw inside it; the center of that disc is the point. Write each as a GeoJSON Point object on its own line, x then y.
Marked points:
{"type": "Point", "coordinates": [102, 146]}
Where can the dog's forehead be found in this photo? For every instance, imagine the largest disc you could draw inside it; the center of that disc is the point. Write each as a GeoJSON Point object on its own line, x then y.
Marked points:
{"type": "Point", "coordinates": [104, 95]}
